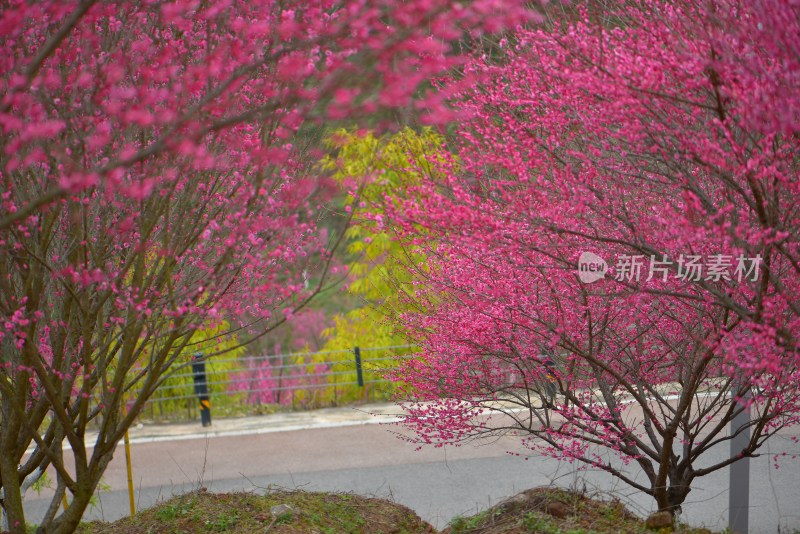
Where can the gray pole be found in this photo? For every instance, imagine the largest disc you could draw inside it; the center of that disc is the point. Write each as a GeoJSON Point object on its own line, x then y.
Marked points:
{"type": "Point", "coordinates": [739, 485]}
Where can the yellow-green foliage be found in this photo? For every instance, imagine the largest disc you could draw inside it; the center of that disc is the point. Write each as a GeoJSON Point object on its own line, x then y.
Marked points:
{"type": "Point", "coordinates": [361, 328]}
{"type": "Point", "coordinates": [378, 264]}
{"type": "Point", "coordinates": [379, 165]}
{"type": "Point", "coordinates": [313, 373]}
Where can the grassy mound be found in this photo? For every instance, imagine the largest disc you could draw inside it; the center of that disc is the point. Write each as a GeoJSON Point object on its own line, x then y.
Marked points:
{"type": "Point", "coordinates": [554, 511]}
{"type": "Point", "coordinates": [535, 511]}
{"type": "Point", "coordinates": [284, 512]}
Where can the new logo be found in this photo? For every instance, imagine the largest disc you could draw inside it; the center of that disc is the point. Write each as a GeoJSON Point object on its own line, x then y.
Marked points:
{"type": "Point", "coordinates": [591, 267]}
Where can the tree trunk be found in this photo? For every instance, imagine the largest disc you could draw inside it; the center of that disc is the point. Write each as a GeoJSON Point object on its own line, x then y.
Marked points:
{"type": "Point", "coordinates": [670, 499]}
{"type": "Point", "coordinates": [13, 512]}
{"type": "Point", "coordinates": [68, 521]}
{"type": "Point", "coordinates": [87, 482]}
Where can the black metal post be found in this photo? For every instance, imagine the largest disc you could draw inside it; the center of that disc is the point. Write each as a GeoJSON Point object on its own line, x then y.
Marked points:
{"type": "Point", "coordinates": [359, 372]}
{"type": "Point", "coordinates": [201, 388]}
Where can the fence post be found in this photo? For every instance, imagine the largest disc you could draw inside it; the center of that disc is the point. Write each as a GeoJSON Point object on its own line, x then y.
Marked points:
{"type": "Point", "coordinates": [201, 387]}
{"type": "Point", "coordinates": [359, 372]}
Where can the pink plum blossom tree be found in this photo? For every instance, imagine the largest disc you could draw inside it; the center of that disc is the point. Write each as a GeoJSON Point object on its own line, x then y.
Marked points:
{"type": "Point", "coordinates": [156, 182]}
{"type": "Point", "coordinates": [613, 260]}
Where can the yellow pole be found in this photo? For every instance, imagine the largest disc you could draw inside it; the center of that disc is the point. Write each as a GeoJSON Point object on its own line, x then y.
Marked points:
{"type": "Point", "coordinates": [130, 474]}
{"type": "Point", "coordinates": [128, 466]}
{"type": "Point", "coordinates": [64, 502]}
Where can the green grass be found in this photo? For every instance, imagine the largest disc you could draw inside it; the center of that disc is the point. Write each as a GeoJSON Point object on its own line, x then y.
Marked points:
{"type": "Point", "coordinates": [540, 523]}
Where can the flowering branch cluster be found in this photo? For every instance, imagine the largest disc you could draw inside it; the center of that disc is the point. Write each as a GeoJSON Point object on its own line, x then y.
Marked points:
{"type": "Point", "coordinates": [655, 130]}
{"type": "Point", "coordinates": [157, 179]}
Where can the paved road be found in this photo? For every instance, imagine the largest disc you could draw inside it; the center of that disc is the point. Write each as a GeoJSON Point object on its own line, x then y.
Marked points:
{"type": "Point", "coordinates": [341, 452]}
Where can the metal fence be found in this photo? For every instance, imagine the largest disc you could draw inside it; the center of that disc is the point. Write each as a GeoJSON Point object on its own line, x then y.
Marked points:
{"type": "Point", "coordinates": [307, 379]}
